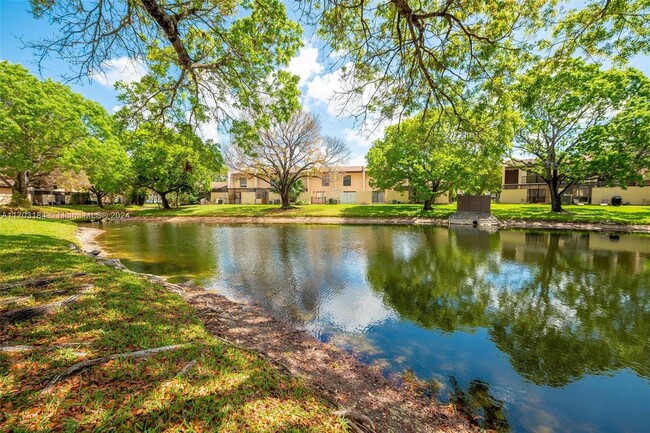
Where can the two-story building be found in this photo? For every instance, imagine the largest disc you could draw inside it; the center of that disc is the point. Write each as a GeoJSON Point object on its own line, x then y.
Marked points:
{"type": "Point", "coordinates": [521, 186]}
{"type": "Point", "coordinates": [345, 184]}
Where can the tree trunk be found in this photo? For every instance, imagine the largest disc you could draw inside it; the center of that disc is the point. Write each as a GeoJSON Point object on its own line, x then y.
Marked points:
{"type": "Point", "coordinates": [285, 200]}
{"type": "Point", "coordinates": [556, 198]}
{"type": "Point", "coordinates": [556, 202]}
{"type": "Point", "coordinates": [20, 196]}
{"type": "Point", "coordinates": [165, 202]}
{"type": "Point", "coordinates": [99, 198]}
{"type": "Point", "coordinates": [427, 204]}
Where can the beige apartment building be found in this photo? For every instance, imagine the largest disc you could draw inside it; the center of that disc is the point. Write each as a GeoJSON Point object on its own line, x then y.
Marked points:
{"type": "Point", "coordinates": [345, 184]}
{"type": "Point", "coordinates": [521, 186]}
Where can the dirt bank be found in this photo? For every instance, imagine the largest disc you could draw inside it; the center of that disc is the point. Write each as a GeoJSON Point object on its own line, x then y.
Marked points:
{"type": "Point", "coordinates": [336, 375]}
{"type": "Point", "coordinates": [544, 225]}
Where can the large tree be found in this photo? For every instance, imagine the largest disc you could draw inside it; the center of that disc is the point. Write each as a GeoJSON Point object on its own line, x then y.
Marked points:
{"type": "Point", "coordinates": [201, 56]}
{"type": "Point", "coordinates": [284, 152]}
{"type": "Point", "coordinates": [567, 108]}
{"type": "Point", "coordinates": [41, 125]}
{"type": "Point", "coordinates": [432, 153]}
{"type": "Point", "coordinates": [405, 55]}
{"type": "Point", "coordinates": [167, 160]}
{"type": "Point", "coordinates": [107, 166]}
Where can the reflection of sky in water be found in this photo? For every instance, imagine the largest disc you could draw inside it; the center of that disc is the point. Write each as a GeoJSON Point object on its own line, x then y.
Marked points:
{"type": "Point", "coordinates": [511, 276]}
{"type": "Point", "coordinates": [344, 283]}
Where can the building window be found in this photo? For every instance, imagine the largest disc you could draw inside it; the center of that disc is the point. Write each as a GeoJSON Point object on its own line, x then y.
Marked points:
{"type": "Point", "coordinates": [326, 180]}
{"type": "Point", "coordinates": [378, 197]}
{"type": "Point", "coordinates": [536, 195]}
{"type": "Point", "coordinates": [533, 178]}
{"type": "Point", "coordinates": [347, 180]}
{"type": "Point", "coordinates": [512, 176]}
{"type": "Point", "coordinates": [242, 182]}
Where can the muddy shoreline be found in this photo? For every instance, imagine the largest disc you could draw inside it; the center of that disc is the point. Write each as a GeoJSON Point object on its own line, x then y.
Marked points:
{"type": "Point", "coordinates": [334, 374]}
{"type": "Point", "coordinates": [505, 224]}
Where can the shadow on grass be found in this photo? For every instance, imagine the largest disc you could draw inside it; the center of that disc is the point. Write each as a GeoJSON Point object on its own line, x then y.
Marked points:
{"type": "Point", "coordinates": [228, 390]}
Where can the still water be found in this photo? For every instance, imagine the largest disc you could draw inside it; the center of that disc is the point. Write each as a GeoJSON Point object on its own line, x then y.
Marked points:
{"type": "Point", "coordinates": [535, 331]}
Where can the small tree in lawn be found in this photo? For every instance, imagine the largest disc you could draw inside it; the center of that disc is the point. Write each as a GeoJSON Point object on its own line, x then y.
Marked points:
{"type": "Point", "coordinates": [567, 107]}
{"type": "Point", "coordinates": [284, 152]}
{"type": "Point", "coordinates": [167, 160]}
{"type": "Point", "coordinates": [433, 153]}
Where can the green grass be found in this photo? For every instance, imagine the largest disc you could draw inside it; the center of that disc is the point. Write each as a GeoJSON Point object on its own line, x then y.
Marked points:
{"type": "Point", "coordinates": [530, 212]}
{"type": "Point", "coordinates": [584, 214]}
{"type": "Point", "coordinates": [314, 210]}
{"type": "Point", "coordinates": [228, 390]}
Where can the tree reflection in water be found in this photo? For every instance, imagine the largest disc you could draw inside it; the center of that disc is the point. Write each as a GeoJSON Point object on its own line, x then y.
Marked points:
{"type": "Point", "coordinates": [578, 311]}
{"type": "Point", "coordinates": [557, 306]}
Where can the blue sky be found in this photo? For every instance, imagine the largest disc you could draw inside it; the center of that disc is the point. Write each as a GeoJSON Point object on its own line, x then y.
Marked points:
{"type": "Point", "coordinates": [319, 77]}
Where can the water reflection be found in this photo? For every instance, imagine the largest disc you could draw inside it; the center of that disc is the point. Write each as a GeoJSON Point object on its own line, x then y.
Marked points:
{"type": "Point", "coordinates": [553, 321]}
{"type": "Point", "coordinates": [476, 401]}
{"type": "Point", "coordinates": [560, 310]}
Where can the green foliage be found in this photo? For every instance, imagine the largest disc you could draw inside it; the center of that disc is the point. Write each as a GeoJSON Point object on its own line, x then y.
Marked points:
{"type": "Point", "coordinates": [433, 153]}
{"type": "Point", "coordinates": [169, 160]}
{"type": "Point", "coordinates": [581, 122]}
{"type": "Point", "coordinates": [295, 190]}
{"type": "Point", "coordinates": [42, 124]}
{"type": "Point", "coordinates": [104, 158]}
{"type": "Point", "coordinates": [623, 144]}
{"type": "Point", "coordinates": [203, 58]}
{"type": "Point", "coordinates": [617, 30]}
{"type": "Point", "coordinates": [406, 56]}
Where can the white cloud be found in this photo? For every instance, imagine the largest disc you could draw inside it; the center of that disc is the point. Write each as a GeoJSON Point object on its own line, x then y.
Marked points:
{"type": "Point", "coordinates": [123, 69]}
{"type": "Point", "coordinates": [357, 160]}
{"type": "Point", "coordinates": [210, 130]}
{"type": "Point", "coordinates": [323, 90]}
{"type": "Point", "coordinates": [117, 108]}
{"type": "Point", "coordinates": [371, 129]}
{"type": "Point", "coordinates": [305, 64]}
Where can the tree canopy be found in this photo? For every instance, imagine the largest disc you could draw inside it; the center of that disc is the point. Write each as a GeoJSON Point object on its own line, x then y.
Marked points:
{"type": "Point", "coordinates": [433, 153]}
{"type": "Point", "coordinates": [105, 161]}
{"type": "Point", "coordinates": [205, 57]}
{"type": "Point", "coordinates": [42, 123]}
{"type": "Point", "coordinates": [576, 121]}
{"type": "Point", "coordinates": [168, 160]}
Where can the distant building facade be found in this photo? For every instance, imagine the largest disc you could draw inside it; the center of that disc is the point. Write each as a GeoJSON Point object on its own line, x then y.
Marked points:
{"type": "Point", "coordinates": [521, 186]}
{"type": "Point", "coordinates": [344, 184]}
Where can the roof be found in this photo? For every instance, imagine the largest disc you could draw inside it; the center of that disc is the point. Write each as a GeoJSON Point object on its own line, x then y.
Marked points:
{"type": "Point", "coordinates": [519, 162]}
{"type": "Point", "coordinates": [218, 185]}
{"type": "Point", "coordinates": [349, 168]}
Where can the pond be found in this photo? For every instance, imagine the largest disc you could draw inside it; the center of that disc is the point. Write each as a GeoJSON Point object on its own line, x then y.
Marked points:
{"type": "Point", "coordinates": [535, 331]}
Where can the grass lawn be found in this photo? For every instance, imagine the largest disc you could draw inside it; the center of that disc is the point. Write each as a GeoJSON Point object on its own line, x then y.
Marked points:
{"type": "Point", "coordinates": [531, 212]}
{"type": "Point", "coordinates": [227, 390]}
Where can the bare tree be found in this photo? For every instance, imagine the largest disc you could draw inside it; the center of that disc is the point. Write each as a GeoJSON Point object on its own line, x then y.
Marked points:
{"type": "Point", "coordinates": [286, 152]}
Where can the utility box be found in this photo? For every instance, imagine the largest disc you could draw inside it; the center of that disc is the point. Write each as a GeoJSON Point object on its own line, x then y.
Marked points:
{"type": "Point", "coordinates": [617, 200]}
{"type": "Point", "coordinates": [473, 203]}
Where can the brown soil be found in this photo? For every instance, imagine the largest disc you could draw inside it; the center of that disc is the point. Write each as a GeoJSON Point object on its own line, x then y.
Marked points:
{"type": "Point", "coordinates": [331, 372]}
{"type": "Point", "coordinates": [545, 225]}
